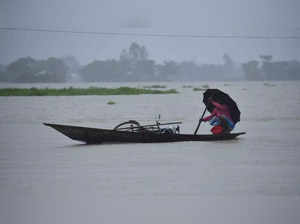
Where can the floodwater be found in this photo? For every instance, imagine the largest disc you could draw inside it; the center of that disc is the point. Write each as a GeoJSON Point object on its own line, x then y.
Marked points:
{"type": "Point", "coordinates": [47, 178]}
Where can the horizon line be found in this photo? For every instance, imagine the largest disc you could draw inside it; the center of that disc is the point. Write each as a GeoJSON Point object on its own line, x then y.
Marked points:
{"type": "Point", "coordinates": [162, 35]}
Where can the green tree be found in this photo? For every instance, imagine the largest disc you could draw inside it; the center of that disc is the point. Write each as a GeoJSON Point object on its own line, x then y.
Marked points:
{"type": "Point", "coordinates": [137, 52]}
{"type": "Point", "coordinates": [98, 71]}
{"type": "Point", "coordinates": [21, 67]}
{"type": "Point", "coordinates": [188, 70]}
{"type": "Point", "coordinates": [228, 64]}
{"type": "Point", "coordinates": [71, 63]}
{"type": "Point", "coordinates": [168, 70]}
{"type": "Point", "coordinates": [252, 71]}
{"type": "Point", "coordinates": [56, 69]}
{"type": "Point", "coordinates": [135, 65]}
{"type": "Point", "coordinates": [267, 66]}
{"type": "Point", "coordinates": [31, 70]}
{"type": "Point", "coordinates": [293, 70]}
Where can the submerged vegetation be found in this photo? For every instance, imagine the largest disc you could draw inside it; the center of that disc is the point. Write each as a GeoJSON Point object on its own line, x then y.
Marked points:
{"type": "Point", "coordinates": [80, 91]}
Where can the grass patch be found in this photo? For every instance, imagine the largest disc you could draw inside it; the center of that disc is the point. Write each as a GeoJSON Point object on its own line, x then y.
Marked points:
{"type": "Point", "coordinates": [199, 89]}
{"type": "Point", "coordinates": [155, 87]}
{"type": "Point", "coordinates": [79, 91]}
{"type": "Point", "coordinates": [269, 84]}
{"type": "Point", "coordinates": [111, 102]}
{"type": "Point", "coordinates": [202, 88]}
{"type": "Point", "coordinates": [187, 86]}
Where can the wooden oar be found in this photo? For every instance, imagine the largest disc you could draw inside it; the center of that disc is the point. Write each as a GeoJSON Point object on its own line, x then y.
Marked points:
{"type": "Point", "coordinates": [200, 121]}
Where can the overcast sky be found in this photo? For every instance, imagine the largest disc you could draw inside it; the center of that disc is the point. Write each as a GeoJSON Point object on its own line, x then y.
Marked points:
{"type": "Point", "coordinates": [201, 17]}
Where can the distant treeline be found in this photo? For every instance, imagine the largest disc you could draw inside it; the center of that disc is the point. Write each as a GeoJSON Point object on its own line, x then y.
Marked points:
{"type": "Point", "coordinates": [134, 65]}
{"type": "Point", "coordinates": [31, 70]}
{"type": "Point", "coordinates": [266, 69]}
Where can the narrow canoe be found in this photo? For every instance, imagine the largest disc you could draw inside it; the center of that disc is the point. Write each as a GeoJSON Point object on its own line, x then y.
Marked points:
{"type": "Point", "coordinates": [96, 135]}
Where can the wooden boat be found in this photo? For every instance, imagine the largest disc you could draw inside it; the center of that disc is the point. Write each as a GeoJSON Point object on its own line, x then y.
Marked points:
{"type": "Point", "coordinates": [135, 133]}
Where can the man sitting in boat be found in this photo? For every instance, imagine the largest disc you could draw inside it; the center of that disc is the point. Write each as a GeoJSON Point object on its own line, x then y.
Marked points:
{"type": "Point", "coordinates": [220, 118]}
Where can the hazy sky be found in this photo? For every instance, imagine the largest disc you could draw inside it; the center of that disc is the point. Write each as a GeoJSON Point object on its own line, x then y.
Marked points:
{"type": "Point", "coordinates": [224, 17]}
